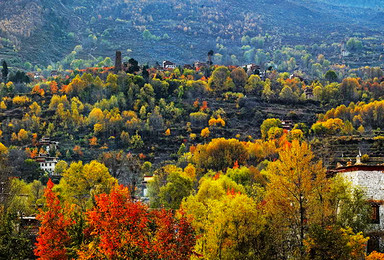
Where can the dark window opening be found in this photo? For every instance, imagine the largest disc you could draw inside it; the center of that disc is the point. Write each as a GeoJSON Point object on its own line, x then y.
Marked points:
{"type": "Point", "coordinates": [373, 244]}
{"type": "Point", "coordinates": [375, 214]}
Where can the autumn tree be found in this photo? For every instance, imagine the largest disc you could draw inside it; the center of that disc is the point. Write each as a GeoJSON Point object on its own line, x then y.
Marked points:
{"type": "Point", "coordinates": [205, 133]}
{"type": "Point", "coordinates": [375, 256]}
{"type": "Point", "coordinates": [239, 78]}
{"type": "Point", "coordinates": [125, 167]}
{"type": "Point", "coordinates": [268, 124]}
{"type": "Point", "coordinates": [120, 228]}
{"type": "Point", "coordinates": [80, 183]}
{"type": "Point", "coordinates": [254, 85]}
{"type": "Point", "coordinates": [35, 109]}
{"type": "Point", "coordinates": [53, 237]}
{"type": "Point", "coordinates": [61, 167]}
{"type": "Point", "coordinates": [295, 193]}
{"type": "Point", "coordinates": [220, 80]}
{"type": "Point", "coordinates": [220, 154]}
{"type": "Point", "coordinates": [228, 223]}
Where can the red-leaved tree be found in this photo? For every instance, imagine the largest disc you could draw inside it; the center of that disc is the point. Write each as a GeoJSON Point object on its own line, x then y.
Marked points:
{"type": "Point", "coordinates": [53, 236]}
{"type": "Point", "coordinates": [120, 228]}
{"type": "Point", "coordinates": [174, 238]}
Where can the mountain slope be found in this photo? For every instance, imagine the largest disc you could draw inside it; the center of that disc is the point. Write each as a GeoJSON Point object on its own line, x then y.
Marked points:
{"type": "Point", "coordinates": [44, 31]}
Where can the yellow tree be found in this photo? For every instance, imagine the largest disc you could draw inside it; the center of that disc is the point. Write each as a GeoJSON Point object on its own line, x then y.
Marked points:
{"type": "Point", "coordinates": [220, 154]}
{"type": "Point", "coordinates": [295, 193]}
{"type": "Point", "coordinates": [35, 109]}
{"type": "Point", "coordinates": [80, 183]}
{"type": "Point", "coordinates": [96, 116]}
{"type": "Point", "coordinates": [3, 106]}
{"type": "Point", "coordinates": [205, 132]}
{"type": "Point", "coordinates": [22, 136]}
{"type": "Point", "coordinates": [226, 221]}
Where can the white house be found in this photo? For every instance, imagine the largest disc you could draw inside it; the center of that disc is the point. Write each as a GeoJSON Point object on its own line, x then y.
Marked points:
{"type": "Point", "coordinates": [46, 163]}
{"type": "Point", "coordinates": [168, 65]}
{"type": "Point", "coordinates": [371, 179]}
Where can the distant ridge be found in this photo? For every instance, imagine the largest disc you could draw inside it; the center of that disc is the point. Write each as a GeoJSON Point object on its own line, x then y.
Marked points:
{"type": "Point", "coordinates": [45, 31]}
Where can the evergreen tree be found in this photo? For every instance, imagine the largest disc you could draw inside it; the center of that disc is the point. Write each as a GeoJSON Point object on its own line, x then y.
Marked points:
{"type": "Point", "coordinates": [5, 71]}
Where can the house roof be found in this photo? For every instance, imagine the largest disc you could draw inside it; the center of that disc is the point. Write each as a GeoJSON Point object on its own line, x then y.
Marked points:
{"type": "Point", "coordinates": [354, 168]}
{"type": "Point", "coordinates": [167, 62]}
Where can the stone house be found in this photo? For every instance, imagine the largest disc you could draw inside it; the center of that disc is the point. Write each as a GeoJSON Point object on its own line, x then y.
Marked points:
{"type": "Point", "coordinates": [371, 179]}
{"type": "Point", "coordinates": [47, 160]}
{"type": "Point", "coordinates": [144, 188]}
{"type": "Point", "coordinates": [168, 65]}
{"type": "Point", "coordinates": [46, 163]}
{"type": "Point", "coordinates": [308, 92]}
{"type": "Point", "coordinates": [199, 65]}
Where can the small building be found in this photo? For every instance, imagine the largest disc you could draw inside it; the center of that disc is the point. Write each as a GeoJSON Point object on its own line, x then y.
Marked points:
{"type": "Point", "coordinates": [287, 125]}
{"type": "Point", "coordinates": [308, 92]}
{"type": "Point", "coordinates": [252, 69]}
{"type": "Point", "coordinates": [371, 179]}
{"type": "Point", "coordinates": [47, 144]}
{"type": "Point", "coordinates": [188, 66]}
{"type": "Point", "coordinates": [199, 65]}
{"type": "Point", "coordinates": [169, 65]}
{"type": "Point", "coordinates": [47, 160]}
{"type": "Point", "coordinates": [145, 186]}
{"type": "Point", "coordinates": [54, 73]}
{"type": "Point", "coordinates": [37, 76]}
{"type": "Point", "coordinates": [46, 163]}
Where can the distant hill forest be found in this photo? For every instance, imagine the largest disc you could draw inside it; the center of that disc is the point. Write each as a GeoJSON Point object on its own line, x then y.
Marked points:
{"type": "Point", "coordinates": [40, 33]}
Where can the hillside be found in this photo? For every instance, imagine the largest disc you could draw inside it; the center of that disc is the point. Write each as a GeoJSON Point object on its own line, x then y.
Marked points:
{"type": "Point", "coordinates": [43, 32]}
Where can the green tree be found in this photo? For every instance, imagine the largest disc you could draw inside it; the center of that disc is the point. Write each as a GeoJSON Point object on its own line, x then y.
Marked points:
{"type": "Point", "coordinates": [220, 80]}
{"type": "Point", "coordinates": [239, 78]}
{"type": "Point", "coordinates": [5, 71]}
{"type": "Point", "coordinates": [288, 95]}
{"type": "Point", "coordinates": [331, 76]}
{"type": "Point", "coordinates": [268, 124]}
{"type": "Point", "coordinates": [177, 188]}
{"type": "Point", "coordinates": [354, 45]}
{"type": "Point", "coordinates": [254, 85]}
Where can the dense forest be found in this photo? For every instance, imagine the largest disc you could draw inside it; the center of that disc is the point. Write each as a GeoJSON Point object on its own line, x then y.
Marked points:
{"type": "Point", "coordinates": [216, 144]}
{"type": "Point", "coordinates": [287, 34]}
{"type": "Point", "coordinates": [216, 129]}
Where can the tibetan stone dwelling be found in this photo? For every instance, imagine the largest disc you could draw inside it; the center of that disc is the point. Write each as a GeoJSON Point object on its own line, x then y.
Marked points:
{"type": "Point", "coordinates": [371, 179]}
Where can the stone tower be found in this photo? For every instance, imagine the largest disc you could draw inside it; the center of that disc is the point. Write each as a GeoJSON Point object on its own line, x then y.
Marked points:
{"type": "Point", "coordinates": [118, 62]}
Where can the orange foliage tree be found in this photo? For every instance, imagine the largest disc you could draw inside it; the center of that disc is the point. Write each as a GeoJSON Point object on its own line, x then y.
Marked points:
{"type": "Point", "coordinates": [375, 256]}
{"type": "Point", "coordinates": [120, 228]}
{"type": "Point", "coordinates": [93, 141]}
{"type": "Point", "coordinates": [205, 132]}
{"type": "Point", "coordinates": [53, 236]}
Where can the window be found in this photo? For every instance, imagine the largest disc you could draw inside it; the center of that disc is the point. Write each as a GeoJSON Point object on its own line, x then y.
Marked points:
{"type": "Point", "coordinates": [375, 214]}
